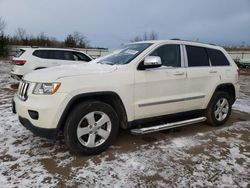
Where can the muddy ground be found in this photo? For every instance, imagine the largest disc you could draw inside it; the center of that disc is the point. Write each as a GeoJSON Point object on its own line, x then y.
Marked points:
{"type": "Point", "coordinates": [193, 156]}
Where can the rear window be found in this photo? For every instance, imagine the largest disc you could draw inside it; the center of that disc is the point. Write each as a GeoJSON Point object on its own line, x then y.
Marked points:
{"type": "Point", "coordinates": [217, 58]}
{"type": "Point", "coordinates": [19, 53]}
{"type": "Point", "coordinates": [197, 56]}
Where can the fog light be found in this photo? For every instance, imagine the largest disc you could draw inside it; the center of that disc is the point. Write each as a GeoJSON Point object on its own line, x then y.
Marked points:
{"type": "Point", "coordinates": [33, 114]}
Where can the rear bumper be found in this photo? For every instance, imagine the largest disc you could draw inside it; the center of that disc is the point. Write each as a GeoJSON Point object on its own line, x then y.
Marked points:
{"type": "Point", "coordinates": [42, 132]}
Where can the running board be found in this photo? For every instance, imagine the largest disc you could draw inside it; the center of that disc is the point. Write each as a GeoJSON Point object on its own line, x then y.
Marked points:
{"type": "Point", "coordinates": [167, 126]}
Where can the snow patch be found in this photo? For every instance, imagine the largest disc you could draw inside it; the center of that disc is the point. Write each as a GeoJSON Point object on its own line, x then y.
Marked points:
{"type": "Point", "coordinates": [218, 158]}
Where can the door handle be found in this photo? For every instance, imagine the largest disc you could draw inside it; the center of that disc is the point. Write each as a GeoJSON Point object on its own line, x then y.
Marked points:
{"type": "Point", "coordinates": [179, 73]}
{"type": "Point", "coordinates": [213, 71]}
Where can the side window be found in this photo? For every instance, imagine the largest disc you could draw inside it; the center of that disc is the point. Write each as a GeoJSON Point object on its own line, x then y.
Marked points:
{"type": "Point", "coordinates": [61, 55]}
{"type": "Point", "coordinates": [80, 57]}
{"type": "Point", "coordinates": [170, 55]}
{"type": "Point", "coordinates": [56, 54]}
{"type": "Point", "coordinates": [41, 53]}
{"type": "Point", "coordinates": [197, 56]}
{"type": "Point", "coordinates": [68, 55]}
{"type": "Point", "coordinates": [217, 58]}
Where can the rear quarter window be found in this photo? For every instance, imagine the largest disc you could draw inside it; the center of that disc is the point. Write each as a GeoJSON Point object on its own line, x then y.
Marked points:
{"type": "Point", "coordinates": [197, 56]}
{"type": "Point", "coordinates": [217, 58]}
{"type": "Point", "coordinates": [19, 53]}
{"type": "Point", "coordinates": [80, 57]}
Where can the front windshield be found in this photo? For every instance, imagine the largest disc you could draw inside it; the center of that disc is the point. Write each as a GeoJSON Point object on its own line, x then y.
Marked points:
{"type": "Point", "coordinates": [125, 55]}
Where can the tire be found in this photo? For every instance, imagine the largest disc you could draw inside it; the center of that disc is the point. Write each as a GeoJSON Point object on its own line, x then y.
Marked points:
{"type": "Point", "coordinates": [84, 133]}
{"type": "Point", "coordinates": [219, 109]}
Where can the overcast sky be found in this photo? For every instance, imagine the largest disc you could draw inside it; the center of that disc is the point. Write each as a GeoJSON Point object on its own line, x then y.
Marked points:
{"type": "Point", "coordinates": [112, 22]}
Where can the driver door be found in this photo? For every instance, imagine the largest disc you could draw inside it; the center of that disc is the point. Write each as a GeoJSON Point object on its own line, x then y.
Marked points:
{"type": "Point", "coordinates": [161, 91]}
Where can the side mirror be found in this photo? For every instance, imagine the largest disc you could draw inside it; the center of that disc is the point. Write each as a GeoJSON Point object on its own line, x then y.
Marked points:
{"type": "Point", "coordinates": [152, 62]}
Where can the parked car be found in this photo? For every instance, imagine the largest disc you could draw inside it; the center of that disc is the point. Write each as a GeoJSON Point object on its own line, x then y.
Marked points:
{"type": "Point", "coordinates": [34, 58]}
{"type": "Point", "coordinates": [144, 82]}
{"type": "Point", "coordinates": [244, 63]}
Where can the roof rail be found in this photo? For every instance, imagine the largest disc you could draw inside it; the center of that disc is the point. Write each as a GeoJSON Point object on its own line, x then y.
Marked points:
{"type": "Point", "coordinates": [193, 41]}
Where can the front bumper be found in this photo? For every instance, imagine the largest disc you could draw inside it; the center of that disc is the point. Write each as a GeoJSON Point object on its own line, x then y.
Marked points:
{"type": "Point", "coordinates": [48, 108]}
{"type": "Point", "coordinates": [45, 133]}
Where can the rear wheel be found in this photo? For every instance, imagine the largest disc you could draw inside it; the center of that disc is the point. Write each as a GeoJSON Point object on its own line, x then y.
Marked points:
{"type": "Point", "coordinates": [219, 109]}
{"type": "Point", "coordinates": [91, 128]}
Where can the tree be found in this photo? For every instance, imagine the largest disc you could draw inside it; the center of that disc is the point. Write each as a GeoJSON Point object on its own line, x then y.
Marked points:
{"type": "Point", "coordinates": [21, 34]}
{"type": "Point", "coordinates": [4, 40]}
{"type": "Point", "coordinates": [136, 39]}
{"type": "Point", "coordinates": [76, 39]}
{"type": "Point", "coordinates": [146, 36]}
{"type": "Point", "coordinates": [153, 35]}
{"type": "Point", "coordinates": [2, 25]}
{"type": "Point", "coordinates": [70, 41]}
{"type": "Point", "coordinates": [42, 40]}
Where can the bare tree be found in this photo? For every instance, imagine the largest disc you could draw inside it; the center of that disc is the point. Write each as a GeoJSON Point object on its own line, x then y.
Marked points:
{"type": "Point", "coordinates": [70, 41]}
{"type": "Point", "coordinates": [136, 39]}
{"type": "Point", "coordinates": [4, 40]}
{"type": "Point", "coordinates": [2, 25]}
{"type": "Point", "coordinates": [146, 36]}
{"type": "Point", "coordinates": [21, 34]}
{"type": "Point", "coordinates": [153, 35]}
{"type": "Point", "coordinates": [76, 39]}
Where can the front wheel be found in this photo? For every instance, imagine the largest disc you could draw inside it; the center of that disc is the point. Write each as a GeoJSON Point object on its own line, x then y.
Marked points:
{"type": "Point", "coordinates": [219, 109]}
{"type": "Point", "coordinates": [91, 128]}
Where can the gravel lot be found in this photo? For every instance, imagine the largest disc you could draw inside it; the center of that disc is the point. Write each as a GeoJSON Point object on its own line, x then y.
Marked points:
{"type": "Point", "coordinates": [193, 156]}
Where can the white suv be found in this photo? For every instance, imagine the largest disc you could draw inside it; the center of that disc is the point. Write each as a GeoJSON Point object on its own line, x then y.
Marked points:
{"type": "Point", "coordinates": [141, 83]}
{"type": "Point", "coordinates": [34, 58]}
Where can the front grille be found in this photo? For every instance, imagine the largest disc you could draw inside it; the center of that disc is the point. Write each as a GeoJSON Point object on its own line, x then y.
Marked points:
{"type": "Point", "coordinates": [22, 90]}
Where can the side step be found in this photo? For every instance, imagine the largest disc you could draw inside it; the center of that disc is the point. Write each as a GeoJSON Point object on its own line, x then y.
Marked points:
{"type": "Point", "coordinates": [167, 126]}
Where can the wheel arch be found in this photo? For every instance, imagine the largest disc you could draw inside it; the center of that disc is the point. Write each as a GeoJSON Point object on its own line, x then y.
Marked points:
{"type": "Point", "coordinates": [110, 98]}
{"type": "Point", "coordinates": [228, 88]}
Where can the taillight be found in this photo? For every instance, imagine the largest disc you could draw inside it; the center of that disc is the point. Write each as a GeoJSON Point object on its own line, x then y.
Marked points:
{"type": "Point", "coordinates": [19, 62]}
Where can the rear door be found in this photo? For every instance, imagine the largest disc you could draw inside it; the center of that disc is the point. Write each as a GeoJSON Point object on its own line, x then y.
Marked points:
{"type": "Point", "coordinates": [40, 59]}
{"type": "Point", "coordinates": [201, 77]}
{"type": "Point", "coordinates": [161, 91]}
{"type": "Point", "coordinates": [61, 57]}
{"type": "Point", "coordinates": [221, 65]}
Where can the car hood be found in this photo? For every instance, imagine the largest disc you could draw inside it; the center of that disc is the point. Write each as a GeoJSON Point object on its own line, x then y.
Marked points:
{"type": "Point", "coordinates": [57, 72]}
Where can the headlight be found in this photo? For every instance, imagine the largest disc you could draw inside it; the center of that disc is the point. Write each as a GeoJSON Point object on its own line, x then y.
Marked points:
{"type": "Point", "coordinates": [46, 88]}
